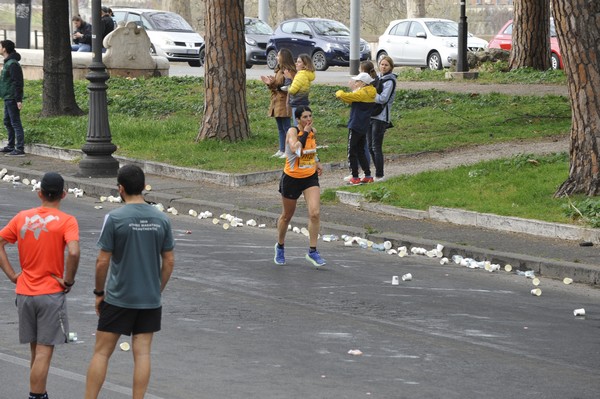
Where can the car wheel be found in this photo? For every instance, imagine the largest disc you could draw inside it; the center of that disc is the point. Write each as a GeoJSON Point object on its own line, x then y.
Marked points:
{"type": "Point", "coordinates": [554, 61]}
{"type": "Point", "coordinates": [194, 63]}
{"type": "Point", "coordinates": [380, 56]}
{"type": "Point", "coordinates": [320, 61]}
{"type": "Point", "coordinates": [272, 59]}
{"type": "Point", "coordinates": [434, 61]}
{"type": "Point", "coordinates": [202, 56]}
{"type": "Point", "coordinates": [248, 66]}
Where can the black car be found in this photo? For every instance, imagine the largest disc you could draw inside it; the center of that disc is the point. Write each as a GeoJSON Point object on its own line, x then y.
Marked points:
{"type": "Point", "coordinates": [325, 40]}
{"type": "Point", "coordinates": [257, 34]}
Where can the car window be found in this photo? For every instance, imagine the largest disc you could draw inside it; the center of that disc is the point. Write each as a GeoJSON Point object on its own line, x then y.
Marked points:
{"type": "Point", "coordinates": [443, 28]}
{"type": "Point", "coordinates": [167, 21]}
{"type": "Point", "coordinates": [508, 30]}
{"type": "Point", "coordinates": [416, 28]}
{"type": "Point", "coordinates": [288, 27]}
{"type": "Point", "coordinates": [331, 28]}
{"type": "Point", "coordinates": [302, 28]}
{"type": "Point", "coordinates": [137, 18]}
{"type": "Point", "coordinates": [119, 16]}
{"type": "Point", "coordinates": [257, 27]}
{"type": "Point", "coordinates": [400, 29]}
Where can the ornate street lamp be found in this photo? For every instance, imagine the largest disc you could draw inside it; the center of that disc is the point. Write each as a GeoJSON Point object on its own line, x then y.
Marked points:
{"type": "Point", "coordinates": [98, 160]}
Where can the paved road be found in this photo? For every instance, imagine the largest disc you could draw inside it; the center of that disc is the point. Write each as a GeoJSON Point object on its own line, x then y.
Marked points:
{"type": "Point", "coordinates": [237, 326]}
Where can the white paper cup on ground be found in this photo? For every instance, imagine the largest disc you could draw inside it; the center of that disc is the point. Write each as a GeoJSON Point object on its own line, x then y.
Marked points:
{"type": "Point", "coordinates": [567, 280]}
{"type": "Point", "coordinates": [124, 346]}
{"type": "Point", "coordinates": [72, 337]}
{"type": "Point", "coordinates": [579, 312]}
{"type": "Point", "coordinates": [536, 292]}
{"type": "Point", "coordinates": [535, 281]}
{"type": "Point", "coordinates": [395, 280]}
{"type": "Point", "coordinates": [407, 277]}
{"type": "Point", "coordinates": [508, 268]}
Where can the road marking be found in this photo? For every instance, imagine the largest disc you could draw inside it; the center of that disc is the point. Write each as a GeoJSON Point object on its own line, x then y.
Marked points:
{"type": "Point", "coordinates": [72, 376]}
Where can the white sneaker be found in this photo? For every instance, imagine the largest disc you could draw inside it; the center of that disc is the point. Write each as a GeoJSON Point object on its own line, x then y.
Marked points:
{"type": "Point", "coordinates": [378, 179]}
{"type": "Point", "coordinates": [278, 154]}
{"type": "Point", "coordinates": [347, 178]}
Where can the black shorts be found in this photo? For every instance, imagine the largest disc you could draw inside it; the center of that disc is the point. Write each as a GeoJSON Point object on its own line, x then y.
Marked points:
{"type": "Point", "coordinates": [292, 187]}
{"type": "Point", "coordinates": [115, 319]}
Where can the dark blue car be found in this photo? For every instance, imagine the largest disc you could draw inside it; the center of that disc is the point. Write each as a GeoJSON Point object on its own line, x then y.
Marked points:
{"type": "Point", "coordinates": [325, 40]}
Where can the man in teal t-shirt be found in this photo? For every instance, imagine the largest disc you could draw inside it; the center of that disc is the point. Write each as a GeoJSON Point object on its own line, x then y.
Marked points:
{"type": "Point", "coordinates": [133, 267]}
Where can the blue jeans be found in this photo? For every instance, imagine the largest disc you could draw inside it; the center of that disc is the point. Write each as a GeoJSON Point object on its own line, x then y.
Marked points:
{"type": "Point", "coordinates": [375, 142]}
{"type": "Point", "coordinates": [81, 48]}
{"type": "Point", "coordinates": [12, 121]}
{"type": "Point", "coordinates": [283, 125]}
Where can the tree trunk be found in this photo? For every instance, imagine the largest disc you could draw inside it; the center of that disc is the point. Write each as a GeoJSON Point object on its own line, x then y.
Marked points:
{"type": "Point", "coordinates": [578, 30]}
{"type": "Point", "coordinates": [531, 35]}
{"type": "Point", "coordinates": [181, 7]}
{"type": "Point", "coordinates": [415, 8]}
{"type": "Point", "coordinates": [58, 95]}
{"type": "Point", "coordinates": [286, 10]}
{"type": "Point", "coordinates": [225, 110]}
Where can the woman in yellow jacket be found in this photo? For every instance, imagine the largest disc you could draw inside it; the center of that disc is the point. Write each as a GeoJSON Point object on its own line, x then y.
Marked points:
{"type": "Point", "coordinates": [301, 80]}
{"type": "Point", "coordinates": [362, 100]}
{"type": "Point", "coordinates": [300, 177]}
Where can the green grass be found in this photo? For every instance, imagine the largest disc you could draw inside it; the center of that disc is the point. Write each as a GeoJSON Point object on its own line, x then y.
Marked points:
{"type": "Point", "coordinates": [158, 119]}
{"type": "Point", "coordinates": [521, 186]}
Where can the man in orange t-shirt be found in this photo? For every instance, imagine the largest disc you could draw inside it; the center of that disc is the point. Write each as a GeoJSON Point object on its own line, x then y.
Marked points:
{"type": "Point", "coordinates": [41, 235]}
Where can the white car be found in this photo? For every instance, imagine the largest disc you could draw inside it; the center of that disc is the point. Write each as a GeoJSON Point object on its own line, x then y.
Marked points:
{"type": "Point", "coordinates": [424, 42]}
{"type": "Point", "coordinates": [171, 36]}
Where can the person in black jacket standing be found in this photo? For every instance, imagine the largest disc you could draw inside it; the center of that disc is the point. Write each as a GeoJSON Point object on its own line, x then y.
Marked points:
{"type": "Point", "coordinates": [11, 91]}
{"type": "Point", "coordinates": [108, 24]}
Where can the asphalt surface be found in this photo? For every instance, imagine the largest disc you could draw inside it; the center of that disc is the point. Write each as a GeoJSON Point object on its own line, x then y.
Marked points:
{"type": "Point", "coordinates": [552, 258]}
{"type": "Point", "coordinates": [235, 325]}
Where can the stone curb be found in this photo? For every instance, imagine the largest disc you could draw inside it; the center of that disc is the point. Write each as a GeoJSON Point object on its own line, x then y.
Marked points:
{"type": "Point", "coordinates": [484, 220]}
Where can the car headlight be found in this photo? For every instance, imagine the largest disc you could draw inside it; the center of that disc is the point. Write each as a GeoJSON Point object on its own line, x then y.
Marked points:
{"type": "Point", "coordinates": [251, 41]}
{"type": "Point", "coordinates": [336, 46]}
{"type": "Point", "coordinates": [167, 42]}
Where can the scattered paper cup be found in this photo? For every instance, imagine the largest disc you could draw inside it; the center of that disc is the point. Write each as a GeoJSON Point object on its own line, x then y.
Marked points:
{"type": "Point", "coordinates": [215, 221]}
{"type": "Point", "coordinates": [148, 187]}
{"type": "Point", "coordinates": [535, 281]}
{"type": "Point", "coordinates": [407, 277]}
{"type": "Point", "coordinates": [536, 292]}
{"type": "Point", "coordinates": [225, 226]}
{"type": "Point", "coordinates": [124, 346]}
{"type": "Point", "coordinates": [579, 312]}
{"type": "Point", "coordinates": [355, 352]}
{"type": "Point", "coordinates": [508, 268]}
{"type": "Point", "coordinates": [567, 280]}
{"type": "Point", "coordinates": [395, 280]}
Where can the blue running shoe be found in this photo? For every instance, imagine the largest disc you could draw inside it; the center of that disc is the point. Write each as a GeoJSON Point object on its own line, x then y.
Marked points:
{"type": "Point", "coordinates": [315, 258]}
{"type": "Point", "coordinates": [279, 255]}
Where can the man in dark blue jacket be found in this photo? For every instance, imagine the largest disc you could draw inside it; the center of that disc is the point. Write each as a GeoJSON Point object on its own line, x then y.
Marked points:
{"type": "Point", "coordinates": [11, 91]}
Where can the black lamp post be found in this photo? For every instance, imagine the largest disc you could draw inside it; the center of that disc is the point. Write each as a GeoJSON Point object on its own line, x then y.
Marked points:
{"type": "Point", "coordinates": [462, 65]}
{"type": "Point", "coordinates": [98, 160]}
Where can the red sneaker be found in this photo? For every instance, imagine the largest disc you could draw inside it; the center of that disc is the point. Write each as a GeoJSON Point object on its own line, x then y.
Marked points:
{"type": "Point", "coordinates": [355, 181]}
{"type": "Point", "coordinates": [366, 180]}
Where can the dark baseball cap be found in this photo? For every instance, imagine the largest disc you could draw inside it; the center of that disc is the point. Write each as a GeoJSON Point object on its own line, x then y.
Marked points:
{"type": "Point", "coordinates": [52, 183]}
{"type": "Point", "coordinates": [105, 9]}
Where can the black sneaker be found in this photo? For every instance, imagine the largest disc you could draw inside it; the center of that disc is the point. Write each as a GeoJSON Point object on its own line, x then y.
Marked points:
{"type": "Point", "coordinates": [7, 149]}
{"type": "Point", "coordinates": [15, 153]}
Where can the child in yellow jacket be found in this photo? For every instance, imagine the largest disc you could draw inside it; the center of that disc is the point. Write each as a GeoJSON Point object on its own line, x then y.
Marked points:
{"type": "Point", "coordinates": [362, 100]}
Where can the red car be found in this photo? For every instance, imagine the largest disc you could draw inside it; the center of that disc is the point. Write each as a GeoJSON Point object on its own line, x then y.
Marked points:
{"type": "Point", "coordinates": [503, 40]}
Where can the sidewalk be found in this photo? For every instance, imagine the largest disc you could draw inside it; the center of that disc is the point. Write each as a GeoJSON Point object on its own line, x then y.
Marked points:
{"type": "Point", "coordinates": [553, 258]}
